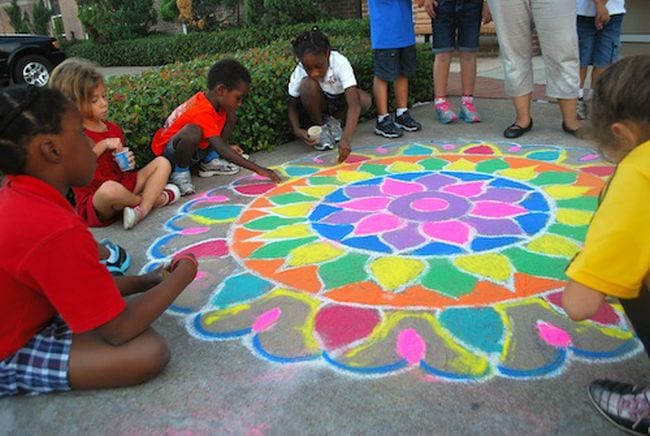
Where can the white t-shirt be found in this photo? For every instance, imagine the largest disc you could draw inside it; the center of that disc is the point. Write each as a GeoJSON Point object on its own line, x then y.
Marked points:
{"type": "Point", "coordinates": [587, 8]}
{"type": "Point", "coordinates": [338, 78]}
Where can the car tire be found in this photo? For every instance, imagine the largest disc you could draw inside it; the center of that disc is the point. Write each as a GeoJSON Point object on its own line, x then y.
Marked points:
{"type": "Point", "coordinates": [32, 69]}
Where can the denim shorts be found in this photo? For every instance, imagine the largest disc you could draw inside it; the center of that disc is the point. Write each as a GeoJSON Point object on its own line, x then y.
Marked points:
{"type": "Point", "coordinates": [170, 153]}
{"type": "Point", "coordinates": [457, 25]}
{"type": "Point", "coordinates": [599, 47]}
{"type": "Point", "coordinates": [393, 62]}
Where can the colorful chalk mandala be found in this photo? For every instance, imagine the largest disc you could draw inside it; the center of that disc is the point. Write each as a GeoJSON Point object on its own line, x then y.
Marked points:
{"type": "Point", "coordinates": [447, 258]}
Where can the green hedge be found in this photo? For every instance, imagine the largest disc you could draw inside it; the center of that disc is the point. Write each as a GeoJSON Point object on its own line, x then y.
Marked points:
{"type": "Point", "coordinates": [162, 50]}
{"type": "Point", "coordinates": [140, 103]}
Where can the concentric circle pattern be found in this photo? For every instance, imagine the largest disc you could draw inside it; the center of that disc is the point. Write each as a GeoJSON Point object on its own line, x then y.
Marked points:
{"type": "Point", "coordinates": [444, 257]}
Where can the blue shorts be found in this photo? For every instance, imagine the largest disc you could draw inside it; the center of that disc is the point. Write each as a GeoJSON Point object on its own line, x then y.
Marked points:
{"type": "Point", "coordinates": [599, 47]}
{"type": "Point", "coordinates": [393, 62]}
{"type": "Point", "coordinates": [457, 25]}
{"type": "Point", "coordinates": [41, 365]}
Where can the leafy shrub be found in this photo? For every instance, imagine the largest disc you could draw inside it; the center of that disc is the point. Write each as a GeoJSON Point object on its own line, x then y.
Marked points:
{"type": "Point", "coordinates": [140, 103]}
{"type": "Point", "coordinates": [162, 50]}
{"type": "Point", "coordinates": [113, 20]}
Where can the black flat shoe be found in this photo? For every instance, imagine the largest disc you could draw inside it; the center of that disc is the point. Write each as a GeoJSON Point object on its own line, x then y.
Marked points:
{"type": "Point", "coordinates": [515, 130]}
{"type": "Point", "coordinates": [572, 132]}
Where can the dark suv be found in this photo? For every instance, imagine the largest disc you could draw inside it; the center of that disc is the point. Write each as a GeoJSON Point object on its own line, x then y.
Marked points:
{"type": "Point", "coordinates": [28, 58]}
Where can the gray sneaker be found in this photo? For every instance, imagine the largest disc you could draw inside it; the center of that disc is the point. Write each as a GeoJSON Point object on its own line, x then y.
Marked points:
{"type": "Point", "coordinates": [624, 405]}
{"type": "Point", "coordinates": [183, 179]}
{"type": "Point", "coordinates": [335, 127]}
{"type": "Point", "coordinates": [582, 109]}
{"type": "Point", "coordinates": [326, 140]}
{"type": "Point", "coordinates": [217, 167]}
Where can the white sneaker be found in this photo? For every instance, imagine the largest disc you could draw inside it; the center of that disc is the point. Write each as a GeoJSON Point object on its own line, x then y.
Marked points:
{"type": "Point", "coordinates": [334, 127]}
{"type": "Point", "coordinates": [183, 179]}
{"type": "Point", "coordinates": [217, 167]}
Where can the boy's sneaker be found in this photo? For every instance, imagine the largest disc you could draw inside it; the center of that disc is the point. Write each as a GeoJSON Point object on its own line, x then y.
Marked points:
{"type": "Point", "coordinates": [171, 194]}
{"type": "Point", "coordinates": [183, 179]}
{"type": "Point", "coordinates": [387, 128]}
{"type": "Point", "coordinates": [406, 122]}
{"type": "Point", "coordinates": [326, 140]}
{"type": "Point", "coordinates": [624, 405]}
{"type": "Point", "coordinates": [444, 112]}
{"type": "Point", "coordinates": [118, 261]}
{"type": "Point", "coordinates": [468, 112]}
{"type": "Point", "coordinates": [131, 216]}
{"type": "Point", "coordinates": [582, 109]}
{"type": "Point", "coordinates": [335, 127]}
{"type": "Point", "coordinates": [217, 167]}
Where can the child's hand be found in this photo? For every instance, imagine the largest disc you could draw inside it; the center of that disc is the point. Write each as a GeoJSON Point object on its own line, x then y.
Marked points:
{"type": "Point", "coordinates": [131, 156]}
{"type": "Point", "coordinates": [237, 149]}
{"type": "Point", "coordinates": [113, 144]}
{"type": "Point", "coordinates": [187, 259]}
{"type": "Point", "coordinates": [270, 174]}
{"type": "Point", "coordinates": [602, 16]}
{"type": "Point", "coordinates": [430, 6]}
{"type": "Point", "coordinates": [486, 16]}
{"type": "Point", "coordinates": [344, 149]}
{"type": "Point", "coordinates": [304, 137]}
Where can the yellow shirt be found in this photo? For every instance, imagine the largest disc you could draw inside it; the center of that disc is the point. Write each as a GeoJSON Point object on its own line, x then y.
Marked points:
{"type": "Point", "coordinates": [616, 256]}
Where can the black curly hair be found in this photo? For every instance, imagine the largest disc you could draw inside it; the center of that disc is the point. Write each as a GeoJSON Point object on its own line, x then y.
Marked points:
{"type": "Point", "coordinates": [313, 41]}
{"type": "Point", "coordinates": [26, 111]}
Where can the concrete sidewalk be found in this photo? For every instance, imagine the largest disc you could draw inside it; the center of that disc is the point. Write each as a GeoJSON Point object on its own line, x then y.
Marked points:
{"type": "Point", "coordinates": [223, 388]}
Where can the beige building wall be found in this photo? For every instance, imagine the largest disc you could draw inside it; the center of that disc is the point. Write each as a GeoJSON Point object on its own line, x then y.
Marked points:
{"type": "Point", "coordinates": [71, 25]}
{"type": "Point", "coordinates": [5, 25]}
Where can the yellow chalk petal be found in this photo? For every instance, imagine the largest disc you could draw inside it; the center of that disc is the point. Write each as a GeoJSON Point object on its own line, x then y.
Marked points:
{"type": "Point", "coordinates": [316, 191]}
{"type": "Point", "coordinates": [461, 165]}
{"type": "Point", "coordinates": [314, 253]}
{"type": "Point", "coordinates": [526, 173]}
{"type": "Point", "coordinates": [554, 245]}
{"type": "Point", "coordinates": [404, 167]}
{"type": "Point", "coordinates": [353, 176]}
{"type": "Point", "coordinates": [563, 192]}
{"type": "Point", "coordinates": [574, 217]}
{"type": "Point", "coordinates": [294, 230]}
{"type": "Point", "coordinates": [492, 265]}
{"type": "Point", "coordinates": [394, 272]}
{"type": "Point", "coordinates": [300, 209]}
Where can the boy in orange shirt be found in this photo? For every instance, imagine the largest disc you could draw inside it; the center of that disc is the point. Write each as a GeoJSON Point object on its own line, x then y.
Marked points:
{"type": "Point", "coordinates": [197, 131]}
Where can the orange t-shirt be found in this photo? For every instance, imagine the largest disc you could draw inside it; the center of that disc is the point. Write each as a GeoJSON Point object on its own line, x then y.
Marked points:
{"type": "Point", "coordinates": [197, 110]}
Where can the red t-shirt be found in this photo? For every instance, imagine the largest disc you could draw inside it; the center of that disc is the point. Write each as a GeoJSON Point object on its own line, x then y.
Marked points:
{"type": "Point", "coordinates": [49, 264]}
{"type": "Point", "coordinates": [107, 169]}
{"type": "Point", "coordinates": [197, 110]}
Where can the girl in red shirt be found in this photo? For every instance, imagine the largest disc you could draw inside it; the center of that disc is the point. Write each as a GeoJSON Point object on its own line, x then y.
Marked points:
{"type": "Point", "coordinates": [112, 191]}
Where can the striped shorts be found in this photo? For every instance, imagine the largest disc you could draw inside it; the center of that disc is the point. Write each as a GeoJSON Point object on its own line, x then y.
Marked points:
{"type": "Point", "coordinates": [41, 365]}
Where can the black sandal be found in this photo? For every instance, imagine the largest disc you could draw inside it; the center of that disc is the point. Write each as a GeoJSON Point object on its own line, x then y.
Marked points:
{"type": "Point", "coordinates": [515, 130]}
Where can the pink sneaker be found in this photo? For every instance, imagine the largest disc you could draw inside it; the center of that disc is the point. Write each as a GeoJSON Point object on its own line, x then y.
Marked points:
{"type": "Point", "coordinates": [444, 112]}
{"type": "Point", "coordinates": [468, 111]}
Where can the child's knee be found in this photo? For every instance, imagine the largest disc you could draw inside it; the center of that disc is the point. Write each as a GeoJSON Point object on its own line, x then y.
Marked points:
{"type": "Point", "coordinates": [444, 56]}
{"type": "Point", "coordinates": [309, 87]}
{"type": "Point", "coordinates": [190, 134]}
{"type": "Point", "coordinates": [111, 190]}
{"type": "Point", "coordinates": [162, 164]}
{"type": "Point", "coordinates": [154, 355]}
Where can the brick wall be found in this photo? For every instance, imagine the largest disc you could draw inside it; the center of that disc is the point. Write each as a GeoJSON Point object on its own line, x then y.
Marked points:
{"type": "Point", "coordinates": [347, 8]}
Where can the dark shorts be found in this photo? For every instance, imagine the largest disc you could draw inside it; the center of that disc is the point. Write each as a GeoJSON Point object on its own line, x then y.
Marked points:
{"type": "Point", "coordinates": [599, 47]}
{"type": "Point", "coordinates": [457, 25]}
{"type": "Point", "coordinates": [393, 62]}
{"type": "Point", "coordinates": [334, 105]}
{"type": "Point", "coordinates": [170, 154]}
{"type": "Point", "coordinates": [41, 365]}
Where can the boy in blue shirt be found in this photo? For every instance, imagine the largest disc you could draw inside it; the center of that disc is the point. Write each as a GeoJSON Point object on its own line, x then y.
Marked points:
{"type": "Point", "coordinates": [393, 40]}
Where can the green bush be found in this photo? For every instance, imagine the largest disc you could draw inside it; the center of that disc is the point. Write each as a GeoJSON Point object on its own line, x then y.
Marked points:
{"type": "Point", "coordinates": [162, 50]}
{"type": "Point", "coordinates": [140, 103]}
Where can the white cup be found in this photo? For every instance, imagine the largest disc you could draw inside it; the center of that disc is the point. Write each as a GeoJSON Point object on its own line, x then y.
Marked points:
{"type": "Point", "coordinates": [314, 132]}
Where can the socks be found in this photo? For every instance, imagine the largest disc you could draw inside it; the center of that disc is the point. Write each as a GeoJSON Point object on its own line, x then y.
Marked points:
{"type": "Point", "coordinates": [439, 100]}
{"type": "Point", "coordinates": [381, 118]}
{"type": "Point", "coordinates": [212, 155]}
{"type": "Point", "coordinates": [467, 99]}
{"type": "Point", "coordinates": [180, 169]}
{"type": "Point", "coordinates": [400, 111]}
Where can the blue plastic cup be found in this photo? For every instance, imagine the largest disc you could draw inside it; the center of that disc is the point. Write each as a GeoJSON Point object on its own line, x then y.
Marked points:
{"type": "Point", "coordinates": [122, 159]}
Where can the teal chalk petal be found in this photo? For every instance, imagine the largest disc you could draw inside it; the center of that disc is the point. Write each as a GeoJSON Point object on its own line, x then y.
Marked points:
{"type": "Point", "coordinates": [240, 288]}
{"type": "Point", "coordinates": [481, 328]}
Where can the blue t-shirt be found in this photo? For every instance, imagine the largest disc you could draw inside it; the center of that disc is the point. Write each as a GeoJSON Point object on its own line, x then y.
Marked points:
{"type": "Point", "coordinates": [391, 23]}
